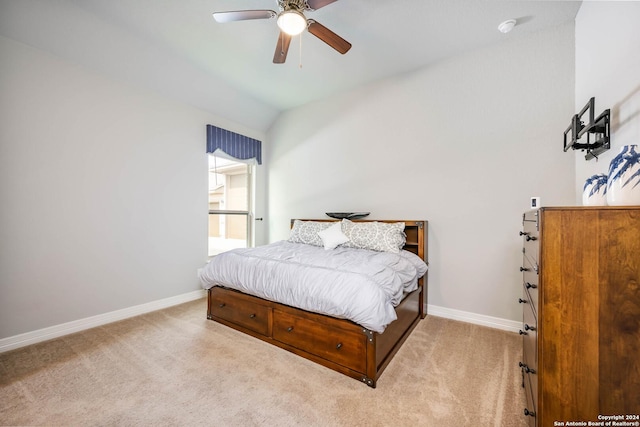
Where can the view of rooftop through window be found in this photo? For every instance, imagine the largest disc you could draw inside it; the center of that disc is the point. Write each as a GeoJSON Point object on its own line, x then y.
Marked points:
{"type": "Point", "coordinates": [229, 204]}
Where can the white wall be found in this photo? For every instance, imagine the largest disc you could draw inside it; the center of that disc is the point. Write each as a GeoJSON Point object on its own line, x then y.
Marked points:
{"type": "Point", "coordinates": [608, 68]}
{"type": "Point", "coordinates": [463, 144]}
{"type": "Point", "coordinates": [103, 191]}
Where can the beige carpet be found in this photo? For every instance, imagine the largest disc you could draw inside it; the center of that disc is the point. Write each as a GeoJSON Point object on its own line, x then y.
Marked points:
{"type": "Point", "coordinates": [174, 367]}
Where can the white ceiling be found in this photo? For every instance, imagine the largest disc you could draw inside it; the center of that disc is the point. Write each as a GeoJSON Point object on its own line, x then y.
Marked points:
{"type": "Point", "coordinates": [176, 48]}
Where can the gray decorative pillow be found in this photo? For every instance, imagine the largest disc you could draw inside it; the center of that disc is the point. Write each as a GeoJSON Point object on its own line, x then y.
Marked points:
{"type": "Point", "coordinates": [375, 236]}
{"type": "Point", "coordinates": [307, 232]}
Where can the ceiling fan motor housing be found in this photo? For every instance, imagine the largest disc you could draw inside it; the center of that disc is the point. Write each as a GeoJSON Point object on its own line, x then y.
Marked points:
{"type": "Point", "coordinates": [297, 5]}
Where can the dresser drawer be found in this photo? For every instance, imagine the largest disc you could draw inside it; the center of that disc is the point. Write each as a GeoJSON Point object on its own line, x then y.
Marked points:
{"type": "Point", "coordinates": [530, 242]}
{"type": "Point", "coordinates": [530, 263]}
{"type": "Point", "coordinates": [530, 247]}
{"type": "Point", "coordinates": [527, 300]}
{"type": "Point", "coordinates": [530, 366]}
{"type": "Point", "coordinates": [245, 313]}
{"type": "Point", "coordinates": [531, 409]}
{"type": "Point", "coordinates": [529, 334]}
{"type": "Point", "coordinates": [530, 255]}
{"type": "Point", "coordinates": [530, 292]}
{"type": "Point", "coordinates": [345, 348]}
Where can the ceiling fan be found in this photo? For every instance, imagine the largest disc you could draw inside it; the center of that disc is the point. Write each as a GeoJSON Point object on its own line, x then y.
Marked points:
{"type": "Point", "coordinates": [291, 21]}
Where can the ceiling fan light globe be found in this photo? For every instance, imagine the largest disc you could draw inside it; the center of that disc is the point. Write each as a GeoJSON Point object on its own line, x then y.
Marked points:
{"type": "Point", "coordinates": [292, 22]}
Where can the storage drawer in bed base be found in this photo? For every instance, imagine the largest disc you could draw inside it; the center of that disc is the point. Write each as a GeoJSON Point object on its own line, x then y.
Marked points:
{"type": "Point", "coordinates": [359, 353]}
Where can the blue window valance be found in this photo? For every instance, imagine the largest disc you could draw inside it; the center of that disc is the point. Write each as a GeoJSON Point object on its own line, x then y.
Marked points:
{"type": "Point", "coordinates": [233, 144]}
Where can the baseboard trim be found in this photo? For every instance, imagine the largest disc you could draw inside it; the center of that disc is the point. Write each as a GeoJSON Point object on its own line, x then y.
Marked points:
{"type": "Point", "coordinates": [477, 319]}
{"type": "Point", "coordinates": [28, 338]}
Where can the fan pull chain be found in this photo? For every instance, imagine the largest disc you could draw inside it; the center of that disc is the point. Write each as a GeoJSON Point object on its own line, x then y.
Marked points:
{"type": "Point", "coordinates": [300, 62]}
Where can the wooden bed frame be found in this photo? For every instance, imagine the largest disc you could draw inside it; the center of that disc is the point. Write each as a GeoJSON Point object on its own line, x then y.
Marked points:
{"type": "Point", "coordinates": [338, 344]}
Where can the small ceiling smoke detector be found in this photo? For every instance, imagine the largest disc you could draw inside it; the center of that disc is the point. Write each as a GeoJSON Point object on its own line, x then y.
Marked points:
{"type": "Point", "coordinates": [507, 26]}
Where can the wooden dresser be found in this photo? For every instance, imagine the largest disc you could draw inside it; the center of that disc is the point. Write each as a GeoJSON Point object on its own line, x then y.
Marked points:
{"type": "Point", "coordinates": [581, 314]}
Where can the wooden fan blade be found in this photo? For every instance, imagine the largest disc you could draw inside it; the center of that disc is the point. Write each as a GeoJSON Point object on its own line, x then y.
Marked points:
{"type": "Point", "coordinates": [317, 4]}
{"type": "Point", "coordinates": [243, 15]}
{"type": "Point", "coordinates": [284, 40]}
{"type": "Point", "coordinates": [329, 37]}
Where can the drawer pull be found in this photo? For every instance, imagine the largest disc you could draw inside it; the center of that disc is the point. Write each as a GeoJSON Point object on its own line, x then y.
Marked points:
{"type": "Point", "coordinates": [290, 328]}
{"type": "Point", "coordinates": [221, 305]}
{"type": "Point", "coordinates": [339, 346]}
{"type": "Point", "coordinates": [524, 269]}
{"type": "Point", "coordinates": [253, 315]}
{"type": "Point", "coordinates": [531, 286]}
{"type": "Point", "coordinates": [522, 301]}
{"type": "Point", "coordinates": [529, 413]}
{"type": "Point", "coordinates": [528, 238]}
{"type": "Point", "coordinates": [526, 368]}
{"type": "Point", "coordinates": [529, 328]}
{"type": "Point", "coordinates": [521, 332]}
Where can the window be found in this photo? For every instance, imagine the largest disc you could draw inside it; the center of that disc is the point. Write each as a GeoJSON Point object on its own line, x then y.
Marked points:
{"type": "Point", "coordinates": [230, 196]}
{"type": "Point", "coordinates": [231, 162]}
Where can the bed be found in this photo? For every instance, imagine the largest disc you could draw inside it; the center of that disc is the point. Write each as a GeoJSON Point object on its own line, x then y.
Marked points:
{"type": "Point", "coordinates": [332, 340]}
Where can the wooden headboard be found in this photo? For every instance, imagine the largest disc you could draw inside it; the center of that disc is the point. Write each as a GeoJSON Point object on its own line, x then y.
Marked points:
{"type": "Point", "coordinates": [416, 232]}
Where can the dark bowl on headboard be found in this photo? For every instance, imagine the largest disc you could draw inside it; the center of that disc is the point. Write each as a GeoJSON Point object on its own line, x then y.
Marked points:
{"type": "Point", "coordinates": [348, 215]}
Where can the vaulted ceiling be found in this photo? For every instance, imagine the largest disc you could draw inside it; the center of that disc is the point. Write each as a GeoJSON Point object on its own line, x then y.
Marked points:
{"type": "Point", "coordinates": [176, 48]}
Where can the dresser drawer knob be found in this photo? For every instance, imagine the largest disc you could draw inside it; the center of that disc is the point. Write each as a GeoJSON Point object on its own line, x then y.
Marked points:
{"type": "Point", "coordinates": [526, 368]}
{"type": "Point", "coordinates": [221, 305]}
{"type": "Point", "coordinates": [290, 328]}
{"type": "Point", "coordinates": [529, 328]}
{"type": "Point", "coordinates": [252, 315]}
{"type": "Point", "coordinates": [339, 346]}
{"type": "Point", "coordinates": [531, 286]}
{"type": "Point", "coordinates": [529, 413]}
{"type": "Point", "coordinates": [522, 301]}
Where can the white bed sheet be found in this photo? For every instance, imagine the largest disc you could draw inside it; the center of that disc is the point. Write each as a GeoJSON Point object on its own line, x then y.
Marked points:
{"type": "Point", "coordinates": [356, 284]}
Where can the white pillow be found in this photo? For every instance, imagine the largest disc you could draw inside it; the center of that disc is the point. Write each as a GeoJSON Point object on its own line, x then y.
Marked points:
{"type": "Point", "coordinates": [333, 236]}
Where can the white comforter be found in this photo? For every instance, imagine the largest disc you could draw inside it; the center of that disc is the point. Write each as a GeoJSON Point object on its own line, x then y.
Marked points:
{"type": "Point", "coordinates": [356, 284]}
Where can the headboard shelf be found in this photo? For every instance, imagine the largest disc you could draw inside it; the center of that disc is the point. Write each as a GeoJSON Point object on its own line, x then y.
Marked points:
{"type": "Point", "coordinates": [416, 232]}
